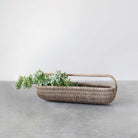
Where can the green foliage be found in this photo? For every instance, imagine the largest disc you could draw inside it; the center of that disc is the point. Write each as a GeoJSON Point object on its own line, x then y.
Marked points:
{"type": "Point", "coordinates": [39, 78]}
{"type": "Point", "coordinates": [18, 84]}
{"type": "Point", "coordinates": [60, 79]}
{"type": "Point", "coordinates": [27, 82]}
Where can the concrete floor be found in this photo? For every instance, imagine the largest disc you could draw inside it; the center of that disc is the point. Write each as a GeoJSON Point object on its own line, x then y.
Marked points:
{"type": "Point", "coordinates": [24, 115]}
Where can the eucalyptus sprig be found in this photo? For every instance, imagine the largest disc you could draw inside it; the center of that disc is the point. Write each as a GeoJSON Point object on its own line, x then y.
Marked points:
{"type": "Point", "coordinates": [39, 78]}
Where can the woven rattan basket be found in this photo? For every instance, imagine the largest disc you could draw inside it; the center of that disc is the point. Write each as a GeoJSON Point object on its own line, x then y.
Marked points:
{"type": "Point", "coordinates": [93, 94]}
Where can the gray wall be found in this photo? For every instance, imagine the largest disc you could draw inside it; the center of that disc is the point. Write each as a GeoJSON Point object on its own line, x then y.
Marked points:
{"type": "Point", "coordinates": [78, 36]}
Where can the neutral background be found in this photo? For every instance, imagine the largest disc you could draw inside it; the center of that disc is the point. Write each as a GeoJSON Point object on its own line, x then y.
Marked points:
{"type": "Point", "coordinates": [77, 36]}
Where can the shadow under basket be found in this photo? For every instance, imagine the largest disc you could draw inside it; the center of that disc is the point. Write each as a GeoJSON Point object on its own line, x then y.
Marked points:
{"type": "Point", "coordinates": [92, 94]}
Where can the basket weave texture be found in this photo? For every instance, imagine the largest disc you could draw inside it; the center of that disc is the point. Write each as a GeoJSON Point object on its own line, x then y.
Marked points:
{"type": "Point", "coordinates": [94, 94]}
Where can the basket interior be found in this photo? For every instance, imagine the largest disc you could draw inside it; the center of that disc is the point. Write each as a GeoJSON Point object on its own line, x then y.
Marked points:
{"type": "Point", "coordinates": [82, 84]}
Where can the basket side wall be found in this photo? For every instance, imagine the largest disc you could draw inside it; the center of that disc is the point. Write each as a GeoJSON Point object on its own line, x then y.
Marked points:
{"type": "Point", "coordinates": [92, 96]}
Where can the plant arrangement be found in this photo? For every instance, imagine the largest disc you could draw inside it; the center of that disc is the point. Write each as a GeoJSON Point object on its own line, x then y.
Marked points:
{"type": "Point", "coordinates": [39, 78]}
{"type": "Point", "coordinates": [93, 94]}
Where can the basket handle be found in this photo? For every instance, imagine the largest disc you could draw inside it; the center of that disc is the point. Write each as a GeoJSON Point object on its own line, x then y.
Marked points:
{"type": "Point", "coordinates": [92, 75]}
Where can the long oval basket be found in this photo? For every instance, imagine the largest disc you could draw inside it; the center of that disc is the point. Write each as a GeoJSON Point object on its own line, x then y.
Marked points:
{"type": "Point", "coordinates": [94, 94]}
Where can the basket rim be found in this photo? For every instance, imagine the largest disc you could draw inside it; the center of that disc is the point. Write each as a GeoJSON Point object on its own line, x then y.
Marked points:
{"type": "Point", "coordinates": [111, 88]}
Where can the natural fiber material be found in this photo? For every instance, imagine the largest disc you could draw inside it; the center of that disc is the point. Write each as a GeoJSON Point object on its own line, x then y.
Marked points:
{"type": "Point", "coordinates": [93, 94]}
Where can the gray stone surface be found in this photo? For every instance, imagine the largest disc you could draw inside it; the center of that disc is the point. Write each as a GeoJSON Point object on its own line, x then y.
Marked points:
{"type": "Point", "coordinates": [24, 115]}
